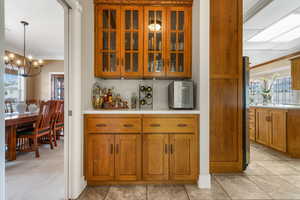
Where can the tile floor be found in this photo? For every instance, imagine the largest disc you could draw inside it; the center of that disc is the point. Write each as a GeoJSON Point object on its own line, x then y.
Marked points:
{"type": "Point", "coordinates": [271, 175]}
{"type": "Point", "coordinates": [30, 178]}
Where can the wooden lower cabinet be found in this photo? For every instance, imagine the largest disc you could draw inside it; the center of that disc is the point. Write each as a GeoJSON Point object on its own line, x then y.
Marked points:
{"type": "Point", "coordinates": [100, 162]}
{"type": "Point", "coordinates": [183, 157]}
{"type": "Point", "coordinates": [263, 126]}
{"type": "Point", "coordinates": [278, 130]}
{"type": "Point", "coordinates": [251, 122]}
{"type": "Point", "coordinates": [155, 157]}
{"type": "Point", "coordinates": [143, 157]}
{"type": "Point", "coordinates": [113, 157]}
{"type": "Point", "coordinates": [271, 128]}
{"type": "Point", "coordinates": [128, 157]}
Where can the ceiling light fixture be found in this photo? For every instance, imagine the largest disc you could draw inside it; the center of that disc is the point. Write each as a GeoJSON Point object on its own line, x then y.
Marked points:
{"type": "Point", "coordinates": [286, 24]}
{"type": "Point", "coordinates": [28, 67]}
{"type": "Point", "coordinates": [289, 36]}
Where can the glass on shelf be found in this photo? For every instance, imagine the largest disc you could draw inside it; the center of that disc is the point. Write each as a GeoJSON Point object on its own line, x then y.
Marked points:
{"type": "Point", "coordinates": [181, 41]}
{"type": "Point", "coordinates": [158, 63]}
{"type": "Point", "coordinates": [105, 40]}
{"type": "Point", "coordinates": [105, 62]}
{"type": "Point", "coordinates": [113, 40]}
{"type": "Point", "coordinates": [150, 62]}
{"type": "Point", "coordinates": [127, 19]}
{"type": "Point", "coordinates": [151, 41]}
{"type": "Point", "coordinates": [135, 19]}
{"type": "Point", "coordinates": [113, 19]}
{"type": "Point", "coordinates": [135, 41]}
{"type": "Point", "coordinates": [105, 18]}
{"type": "Point", "coordinates": [173, 20]}
{"type": "Point", "coordinates": [113, 62]}
{"type": "Point", "coordinates": [135, 62]}
{"type": "Point", "coordinates": [181, 20]}
{"type": "Point", "coordinates": [127, 41]}
{"type": "Point", "coordinates": [127, 62]}
{"type": "Point", "coordinates": [158, 41]}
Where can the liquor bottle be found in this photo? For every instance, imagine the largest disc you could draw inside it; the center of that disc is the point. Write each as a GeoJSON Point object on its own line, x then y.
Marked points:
{"type": "Point", "coordinates": [149, 96]}
{"type": "Point", "coordinates": [143, 102]}
{"type": "Point", "coordinates": [149, 89]}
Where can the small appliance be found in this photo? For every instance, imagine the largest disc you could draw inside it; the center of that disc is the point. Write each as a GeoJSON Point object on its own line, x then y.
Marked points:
{"type": "Point", "coordinates": [181, 94]}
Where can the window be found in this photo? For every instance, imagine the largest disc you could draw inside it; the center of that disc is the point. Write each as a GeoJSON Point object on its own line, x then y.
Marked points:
{"type": "Point", "coordinates": [282, 92]}
{"type": "Point", "coordinates": [14, 87]}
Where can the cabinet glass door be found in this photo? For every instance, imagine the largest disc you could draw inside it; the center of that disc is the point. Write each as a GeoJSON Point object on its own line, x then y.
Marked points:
{"type": "Point", "coordinates": [154, 42]}
{"type": "Point", "coordinates": [132, 41]}
{"type": "Point", "coordinates": [178, 42]}
{"type": "Point", "coordinates": [107, 44]}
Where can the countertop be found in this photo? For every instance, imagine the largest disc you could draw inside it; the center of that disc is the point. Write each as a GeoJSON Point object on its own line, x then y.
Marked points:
{"type": "Point", "coordinates": [277, 106]}
{"type": "Point", "coordinates": [141, 112]}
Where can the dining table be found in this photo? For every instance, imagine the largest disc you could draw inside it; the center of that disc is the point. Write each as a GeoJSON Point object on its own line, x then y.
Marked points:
{"type": "Point", "coordinates": [12, 122]}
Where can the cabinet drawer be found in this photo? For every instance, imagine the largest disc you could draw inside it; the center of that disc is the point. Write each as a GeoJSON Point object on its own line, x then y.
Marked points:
{"type": "Point", "coordinates": [169, 125]}
{"type": "Point", "coordinates": [114, 125]}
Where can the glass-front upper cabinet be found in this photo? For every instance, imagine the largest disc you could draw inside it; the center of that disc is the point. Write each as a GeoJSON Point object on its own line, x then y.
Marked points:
{"type": "Point", "coordinates": [154, 41]}
{"type": "Point", "coordinates": [107, 44]}
{"type": "Point", "coordinates": [179, 42]}
{"type": "Point", "coordinates": [132, 41]}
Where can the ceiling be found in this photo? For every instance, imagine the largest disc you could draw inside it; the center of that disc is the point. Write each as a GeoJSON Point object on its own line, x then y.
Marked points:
{"type": "Point", "coordinates": [259, 15]}
{"type": "Point", "coordinates": [45, 33]}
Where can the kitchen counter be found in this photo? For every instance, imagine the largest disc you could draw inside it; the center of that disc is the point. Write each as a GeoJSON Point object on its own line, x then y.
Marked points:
{"type": "Point", "coordinates": [129, 111]}
{"type": "Point", "coordinates": [277, 106]}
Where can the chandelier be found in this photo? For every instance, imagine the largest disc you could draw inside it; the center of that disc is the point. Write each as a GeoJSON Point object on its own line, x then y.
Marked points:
{"type": "Point", "coordinates": [27, 66]}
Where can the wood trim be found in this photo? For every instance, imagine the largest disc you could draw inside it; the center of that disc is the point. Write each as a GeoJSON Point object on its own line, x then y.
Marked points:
{"type": "Point", "coordinates": [146, 2]}
{"type": "Point", "coordinates": [226, 81]}
{"type": "Point", "coordinates": [98, 183]}
{"type": "Point", "coordinates": [290, 56]}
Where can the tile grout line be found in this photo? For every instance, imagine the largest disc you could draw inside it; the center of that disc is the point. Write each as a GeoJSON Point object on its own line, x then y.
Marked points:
{"type": "Point", "coordinates": [221, 186]}
{"type": "Point", "coordinates": [146, 191]}
{"type": "Point", "coordinates": [186, 192]}
{"type": "Point", "coordinates": [107, 192]}
{"type": "Point", "coordinates": [261, 188]}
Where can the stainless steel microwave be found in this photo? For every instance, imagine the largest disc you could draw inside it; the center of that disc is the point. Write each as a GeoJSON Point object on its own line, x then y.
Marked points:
{"type": "Point", "coordinates": [181, 95]}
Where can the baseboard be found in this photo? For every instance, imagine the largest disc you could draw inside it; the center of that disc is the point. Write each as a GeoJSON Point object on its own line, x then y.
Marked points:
{"type": "Point", "coordinates": [204, 181]}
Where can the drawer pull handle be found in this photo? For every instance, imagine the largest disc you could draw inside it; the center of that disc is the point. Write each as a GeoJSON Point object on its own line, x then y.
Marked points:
{"type": "Point", "coordinates": [182, 125]}
{"type": "Point", "coordinates": [117, 148]}
{"type": "Point", "coordinates": [100, 125]}
{"type": "Point", "coordinates": [155, 125]}
{"type": "Point", "coordinates": [111, 148]}
{"type": "Point", "coordinates": [171, 148]}
{"type": "Point", "coordinates": [166, 148]}
{"type": "Point", "coordinates": [128, 125]}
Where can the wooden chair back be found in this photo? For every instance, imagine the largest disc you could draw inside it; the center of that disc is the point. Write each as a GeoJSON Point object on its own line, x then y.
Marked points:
{"type": "Point", "coordinates": [46, 112]}
{"type": "Point", "coordinates": [8, 107]}
{"type": "Point", "coordinates": [60, 112]}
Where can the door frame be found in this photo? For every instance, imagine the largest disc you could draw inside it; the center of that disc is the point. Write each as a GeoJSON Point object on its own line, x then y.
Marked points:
{"type": "Point", "coordinates": [2, 122]}
{"type": "Point", "coordinates": [74, 180]}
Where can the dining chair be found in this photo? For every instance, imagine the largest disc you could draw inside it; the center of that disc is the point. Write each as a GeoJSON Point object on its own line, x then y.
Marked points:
{"type": "Point", "coordinates": [58, 126]}
{"type": "Point", "coordinates": [28, 140]}
{"type": "Point", "coordinates": [8, 107]}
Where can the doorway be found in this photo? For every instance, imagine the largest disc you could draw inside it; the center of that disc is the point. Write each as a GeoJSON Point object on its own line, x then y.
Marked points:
{"type": "Point", "coordinates": [72, 21]}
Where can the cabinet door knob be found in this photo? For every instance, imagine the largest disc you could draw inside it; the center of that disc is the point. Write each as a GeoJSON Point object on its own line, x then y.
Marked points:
{"type": "Point", "coordinates": [128, 125]}
{"type": "Point", "coordinates": [111, 148]}
{"type": "Point", "coordinates": [100, 125]}
{"type": "Point", "coordinates": [117, 148]}
{"type": "Point", "coordinates": [155, 125]}
{"type": "Point", "coordinates": [182, 125]}
{"type": "Point", "coordinates": [171, 148]}
{"type": "Point", "coordinates": [166, 148]}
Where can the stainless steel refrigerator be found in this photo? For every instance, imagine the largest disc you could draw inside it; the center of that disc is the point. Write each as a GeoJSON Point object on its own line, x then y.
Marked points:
{"type": "Point", "coordinates": [246, 140]}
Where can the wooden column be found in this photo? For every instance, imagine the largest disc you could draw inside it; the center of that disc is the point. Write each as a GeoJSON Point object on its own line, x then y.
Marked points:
{"type": "Point", "coordinates": [226, 79]}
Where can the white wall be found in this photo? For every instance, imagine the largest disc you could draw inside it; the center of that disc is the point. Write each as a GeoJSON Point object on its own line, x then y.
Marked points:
{"type": "Point", "coordinates": [43, 81]}
{"type": "Point", "coordinates": [2, 135]}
